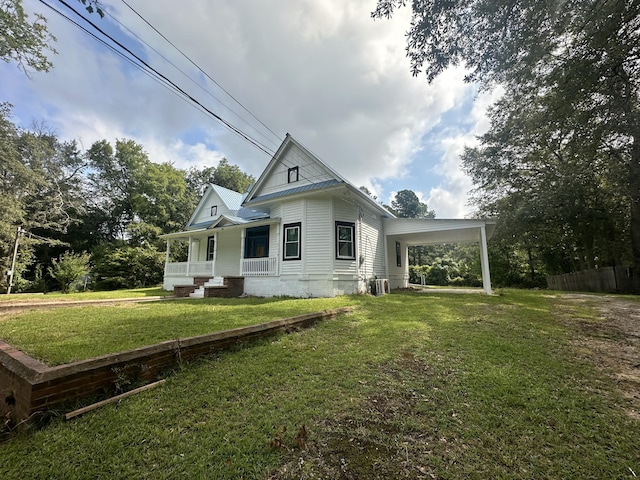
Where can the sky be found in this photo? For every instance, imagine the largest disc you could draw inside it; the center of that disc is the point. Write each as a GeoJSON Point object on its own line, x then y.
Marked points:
{"type": "Point", "coordinates": [322, 70]}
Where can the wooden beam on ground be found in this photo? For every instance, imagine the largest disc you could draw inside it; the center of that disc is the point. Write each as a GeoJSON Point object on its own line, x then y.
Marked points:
{"type": "Point", "coordinates": [93, 406]}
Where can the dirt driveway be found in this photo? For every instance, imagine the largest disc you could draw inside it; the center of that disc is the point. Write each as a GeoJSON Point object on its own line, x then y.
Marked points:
{"type": "Point", "coordinates": [611, 341]}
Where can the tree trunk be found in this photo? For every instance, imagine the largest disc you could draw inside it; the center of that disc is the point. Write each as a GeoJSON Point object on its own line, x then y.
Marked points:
{"type": "Point", "coordinates": [634, 196]}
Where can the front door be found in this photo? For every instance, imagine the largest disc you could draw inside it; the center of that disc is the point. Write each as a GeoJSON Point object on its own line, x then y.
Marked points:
{"type": "Point", "coordinates": [256, 242]}
{"type": "Point", "coordinates": [211, 248]}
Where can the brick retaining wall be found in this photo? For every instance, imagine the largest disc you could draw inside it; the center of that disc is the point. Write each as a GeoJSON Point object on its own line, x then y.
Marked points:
{"type": "Point", "coordinates": [28, 386]}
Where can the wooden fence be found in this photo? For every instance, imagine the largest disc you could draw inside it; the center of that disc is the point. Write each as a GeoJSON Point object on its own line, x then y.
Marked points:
{"type": "Point", "coordinates": [604, 280]}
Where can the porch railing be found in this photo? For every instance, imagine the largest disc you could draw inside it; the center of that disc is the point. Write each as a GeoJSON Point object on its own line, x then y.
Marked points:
{"type": "Point", "coordinates": [260, 267]}
{"type": "Point", "coordinates": [251, 267]}
{"type": "Point", "coordinates": [189, 269]}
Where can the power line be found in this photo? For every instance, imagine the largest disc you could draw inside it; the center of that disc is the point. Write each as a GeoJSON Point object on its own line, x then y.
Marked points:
{"type": "Point", "coordinates": [189, 77]}
{"type": "Point", "coordinates": [112, 48]}
{"type": "Point", "coordinates": [163, 78]}
{"type": "Point", "coordinates": [200, 69]}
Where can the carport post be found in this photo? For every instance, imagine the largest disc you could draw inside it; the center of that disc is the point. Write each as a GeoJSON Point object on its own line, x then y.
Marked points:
{"type": "Point", "coordinates": [484, 261]}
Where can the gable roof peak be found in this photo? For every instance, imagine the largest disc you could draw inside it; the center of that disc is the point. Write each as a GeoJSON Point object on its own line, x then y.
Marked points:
{"type": "Point", "coordinates": [281, 159]}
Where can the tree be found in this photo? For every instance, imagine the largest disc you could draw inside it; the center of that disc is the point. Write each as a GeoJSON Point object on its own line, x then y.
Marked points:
{"type": "Point", "coordinates": [224, 175]}
{"type": "Point", "coordinates": [40, 191]}
{"type": "Point", "coordinates": [406, 204]}
{"type": "Point", "coordinates": [68, 268]}
{"type": "Point", "coordinates": [127, 188]}
{"type": "Point", "coordinates": [570, 67]}
{"type": "Point", "coordinates": [128, 266]}
{"type": "Point", "coordinates": [23, 42]}
{"type": "Point", "coordinates": [531, 173]}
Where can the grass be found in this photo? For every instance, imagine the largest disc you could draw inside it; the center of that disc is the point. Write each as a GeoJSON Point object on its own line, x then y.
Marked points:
{"type": "Point", "coordinates": [66, 334]}
{"type": "Point", "coordinates": [106, 295]}
{"type": "Point", "coordinates": [408, 386]}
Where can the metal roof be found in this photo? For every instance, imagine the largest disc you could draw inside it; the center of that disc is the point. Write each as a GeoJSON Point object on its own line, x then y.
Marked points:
{"type": "Point", "coordinates": [291, 191]}
{"type": "Point", "coordinates": [231, 199]}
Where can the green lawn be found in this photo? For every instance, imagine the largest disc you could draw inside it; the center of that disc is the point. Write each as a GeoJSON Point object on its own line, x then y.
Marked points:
{"type": "Point", "coordinates": [408, 386]}
{"type": "Point", "coordinates": [106, 295]}
{"type": "Point", "coordinates": [65, 334]}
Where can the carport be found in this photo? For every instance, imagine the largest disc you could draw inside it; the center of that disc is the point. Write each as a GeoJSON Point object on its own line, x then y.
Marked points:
{"type": "Point", "coordinates": [401, 233]}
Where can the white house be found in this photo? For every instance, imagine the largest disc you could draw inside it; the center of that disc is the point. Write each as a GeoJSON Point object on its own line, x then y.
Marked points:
{"type": "Point", "coordinates": [302, 230]}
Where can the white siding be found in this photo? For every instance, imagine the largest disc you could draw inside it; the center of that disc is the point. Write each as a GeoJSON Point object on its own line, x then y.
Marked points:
{"type": "Point", "coordinates": [309, 171]}
{"type": "Point", "coordinates": [343, 212]}
{"type": "Point", "coordinates": [274, 241]}
{"type": "Point", "coordinates": [398, 276]}
{"type": "Point", "coordinates": [291, 212]}
{"type": "Point", "coordinates": [372, 246]}
{"type": "Point", "coordinates": [228, 254]}
{"type": "Point", "coordinates": [317, 236]}
{"type": "Point", "coordinates": [210, 199]}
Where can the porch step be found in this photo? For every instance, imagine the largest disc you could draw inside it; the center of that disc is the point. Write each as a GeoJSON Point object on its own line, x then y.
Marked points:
{"type": "Point", "coordinates": [212, 282]}
{"type": "Point", "coordinates": [198, 293]}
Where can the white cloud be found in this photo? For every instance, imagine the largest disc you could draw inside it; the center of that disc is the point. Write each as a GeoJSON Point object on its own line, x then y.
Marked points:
{"type": "Point", "coordinates": [321, 70]}
{"type": "Point", "coordinates": [450, 198]}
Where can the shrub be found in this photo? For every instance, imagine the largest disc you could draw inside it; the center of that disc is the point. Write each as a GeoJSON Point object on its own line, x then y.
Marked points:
{"type": "Point", "coordinates": [129, 267]}
{"type": "Point", "coordinates": [68, 268]}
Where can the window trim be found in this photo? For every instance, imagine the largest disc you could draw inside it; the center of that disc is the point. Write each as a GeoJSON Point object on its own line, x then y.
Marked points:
{"type": "Point", "coordinates": [352, 226]}
{"type": "Point", "coordinates": [297, 225]}
{"type": "Point", "coordinates": [214, 210]}
{"type": "Point", "coordinates": [297, 174]}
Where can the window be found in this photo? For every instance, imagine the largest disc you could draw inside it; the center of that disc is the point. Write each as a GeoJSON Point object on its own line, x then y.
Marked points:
{"type": "Point", "coordinates": [214, 210]}
{"type": "Point", "coordinates": [292, 175]}
{"type": "Point", "coordinates": [398, 255]}
{"type": "Point", "coordinates": [211, 244]}
{"type": "Point", "coordinates": [345, 243]}
{"type": "Point", "coordinates": [292, 250]}
{"type": "Point", "coordinates": [256, 242]}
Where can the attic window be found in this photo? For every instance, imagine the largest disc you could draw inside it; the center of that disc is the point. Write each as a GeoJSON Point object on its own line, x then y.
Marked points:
{"type": "Point", "coordinates": [214, 210]}
{"type": "Point", "coordinates": [292, 175]}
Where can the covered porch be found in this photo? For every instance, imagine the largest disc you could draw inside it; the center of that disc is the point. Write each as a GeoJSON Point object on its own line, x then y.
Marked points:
{"type": "Point", "coordinates": [225, 251]}
{"type": "Point", "coordinates": [401, 233]}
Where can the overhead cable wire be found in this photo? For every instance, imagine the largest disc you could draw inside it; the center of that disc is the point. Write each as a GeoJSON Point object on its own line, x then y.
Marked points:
{"type": "Point", "coordinates": [201, 70]}
{"type": "Point", "coordinates": [187, 75]}
{"type": "Point", "coordinates": [113, 49]}
{"type": "Point", "coordinates": [182, 92]}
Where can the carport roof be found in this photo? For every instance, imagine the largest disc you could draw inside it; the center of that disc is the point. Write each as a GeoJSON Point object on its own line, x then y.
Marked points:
{"type": "Point", "coordinates": [414, 231]}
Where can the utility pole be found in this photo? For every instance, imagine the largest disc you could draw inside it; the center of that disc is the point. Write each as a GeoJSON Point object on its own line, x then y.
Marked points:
{"type": "Point", "coordinates": [13, 260]}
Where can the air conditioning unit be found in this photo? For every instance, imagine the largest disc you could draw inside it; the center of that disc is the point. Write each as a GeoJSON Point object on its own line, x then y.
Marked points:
{"type": "Point", "coordinates": [382, 286]}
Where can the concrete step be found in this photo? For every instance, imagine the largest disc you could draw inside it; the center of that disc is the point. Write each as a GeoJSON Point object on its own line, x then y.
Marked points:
{"type": "Point", "coordinates": [199, 293]}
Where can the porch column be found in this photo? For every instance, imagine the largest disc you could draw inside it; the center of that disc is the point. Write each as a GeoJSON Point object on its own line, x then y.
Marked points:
{"type": "Point", "coordinates": [484, 261]}
{"type": "Point", "coordinates": [242, 235]}
{"type": "Point", "coordinates": [166, 260]}
{"type": "Point", "coordinates": [215, 254]}
{"type": "Point", "coordinates": [189, 254]}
